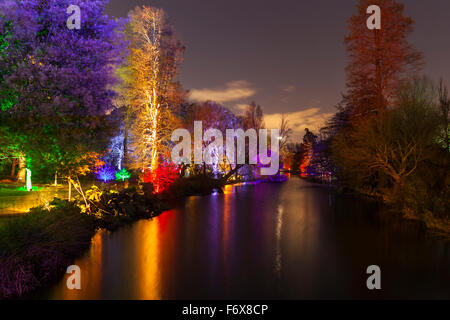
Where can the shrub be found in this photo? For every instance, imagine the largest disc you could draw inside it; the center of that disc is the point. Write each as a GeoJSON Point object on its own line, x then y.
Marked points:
{"type": "Point", "coordinates": [114, 208]}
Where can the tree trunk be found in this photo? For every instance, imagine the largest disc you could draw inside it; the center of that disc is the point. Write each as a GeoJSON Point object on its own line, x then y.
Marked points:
{"type": "Point", "coordinates": [21, 176]}
{"type": "Point", "coordinates": [13, 168]}
{"type": "Point", "coordinates": [70, 189]}
{"type": "Point", "coordinates": [229, 174]}
{"type": "Point", "coordinates": [397, 189]}
{"type": "Point", "coordinates": [125, 148]}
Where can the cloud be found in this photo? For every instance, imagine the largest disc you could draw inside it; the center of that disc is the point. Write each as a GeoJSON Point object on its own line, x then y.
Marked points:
{"type": "Point", "coordinates": [239, 108]}
{"type": "Point", "coordinates": [310, 118]}
{"type": "Point", "coordinates": [232, 91]}
{"type": "Point", "coordinates": [288, 88]}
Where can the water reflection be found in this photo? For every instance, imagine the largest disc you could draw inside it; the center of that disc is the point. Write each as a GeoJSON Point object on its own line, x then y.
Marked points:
{"type": "Point", "coordinates": [91, 274]}
{"type": "Point", "coordinates": [147, 260]}
{"type": "Point", "coordinates": [291, 240]}
{"type": "Point", "coordinates": [278, 240]}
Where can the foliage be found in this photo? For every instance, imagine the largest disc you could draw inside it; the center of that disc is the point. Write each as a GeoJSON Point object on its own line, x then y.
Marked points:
{"type": "Point", "coordinates": [113, 208]}
{"type": "Point", "coordinates": [61, 79]}
{"type": "Point", "coordinates": [444, 111]}
{"type": "Point", "coordinates": [163, 177]}
{"type": "Point", "coordinates": [253, 117]}
{"type": "Point", "coordinates": [387, 155]}
{"type": "Point", "coordinates": [379, 59]}
{"type": "Point", "coordinates": [105, 173]}
{"type": "Point", "coordinates": [149, 91]}
{"type": "Point", "coordinates": [116, 150]}
{"type": "Point", "coordinates": [285, 134]}
{"type": "Point", "coordinates": [122, 175]}
{"type": "Point", "coordinates": [212, 115]}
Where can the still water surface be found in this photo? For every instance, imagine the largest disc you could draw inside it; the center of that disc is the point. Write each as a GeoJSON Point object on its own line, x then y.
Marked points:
{"type": "Point", "coordinates": [293, 240]}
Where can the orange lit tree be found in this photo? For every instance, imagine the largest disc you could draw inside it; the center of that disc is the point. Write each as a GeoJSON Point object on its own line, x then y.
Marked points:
{"type": "Point", "coordinates": [149, 90]}
{"type": "Point", "coordinates": [379, 59]}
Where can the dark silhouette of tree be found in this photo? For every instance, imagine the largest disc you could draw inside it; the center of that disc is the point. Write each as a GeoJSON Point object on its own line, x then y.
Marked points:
{"type": "Point", "coordinates": [309, 137]}
{"type": "Point", "coordinates": [380, 153]}
{"type": "Point", "coordinates": [285, 135]}
{"type": "Point", "coordinates": [253, 117]}
{"type": "Point", "coordinates": [444, 109]}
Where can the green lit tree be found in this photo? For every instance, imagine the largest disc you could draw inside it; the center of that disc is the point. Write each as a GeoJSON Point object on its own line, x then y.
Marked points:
{"type": "Point", "coordinates": [123, 174]}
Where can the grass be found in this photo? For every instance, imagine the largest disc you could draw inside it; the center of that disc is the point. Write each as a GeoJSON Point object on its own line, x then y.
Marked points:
{"type": "Point", "coordinates": [33, 188]}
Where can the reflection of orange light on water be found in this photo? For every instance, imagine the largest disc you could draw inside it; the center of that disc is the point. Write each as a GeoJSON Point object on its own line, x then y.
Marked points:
{"type": "Point", "coordinates": [91, 274]}
{"type": "Point", "coordinates": [96, 252]}
{"type": "Point", "coordinates": [148, 272]}
{"type": "Point", "coordinates": [228, 189]}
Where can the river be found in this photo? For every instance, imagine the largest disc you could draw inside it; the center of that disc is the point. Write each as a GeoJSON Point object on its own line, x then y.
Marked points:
{"type": "Point", "coordinates": [292, 240]}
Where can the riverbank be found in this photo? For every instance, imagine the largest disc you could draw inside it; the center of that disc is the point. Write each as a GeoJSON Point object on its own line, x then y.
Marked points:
{"type": "Point", "coordinates": [36, 247]}
{"type": "Point", "coordinates": [438, 226]}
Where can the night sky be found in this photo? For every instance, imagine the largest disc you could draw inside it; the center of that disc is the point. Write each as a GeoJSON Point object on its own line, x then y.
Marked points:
{"type": "Point", "coordinates": [287, 55]}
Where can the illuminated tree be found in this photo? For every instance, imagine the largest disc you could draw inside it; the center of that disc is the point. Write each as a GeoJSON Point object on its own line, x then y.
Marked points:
{"type": "Point", "coordinates": [149, 90]}
{"type": "Point", "coordinates": [309, 139]}
{"type": "Point", "coordinates": [379, 59]}
{"type": "Point", "coordinates": [116, 150]}
{"type": "Point", "coordinates": [212, 115]}
{"type": "Point", "coordinates": [56, 86]}
{"type": "Point", "coordinates": [105, 173]}
{"type": "Point", "coordinates": [123, 174]}
{"type": "Point", "coordinates": [166, 174]}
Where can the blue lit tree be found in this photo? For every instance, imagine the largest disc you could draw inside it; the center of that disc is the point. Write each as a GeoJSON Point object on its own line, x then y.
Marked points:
{"type": "Point", "coordinates": [105, 173]}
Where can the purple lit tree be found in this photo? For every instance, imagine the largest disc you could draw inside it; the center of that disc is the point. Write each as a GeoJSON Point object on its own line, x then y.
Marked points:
{"type": "Point", "coordinates": [56, 84]}
{"type": "Point", "coordinates": [105, 173]}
